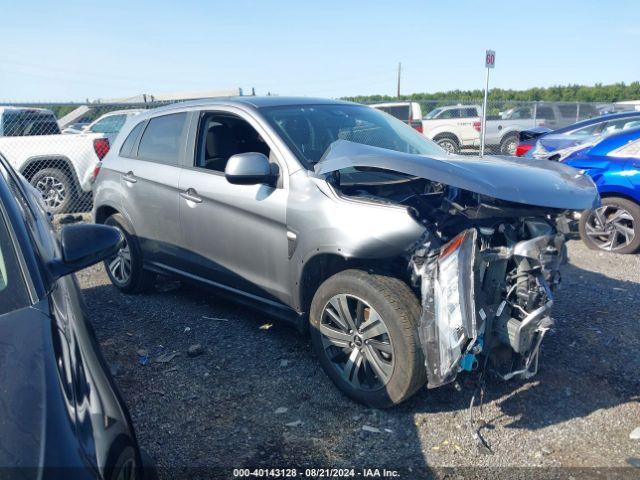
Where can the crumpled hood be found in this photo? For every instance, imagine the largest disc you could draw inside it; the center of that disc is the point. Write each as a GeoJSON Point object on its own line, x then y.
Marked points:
{"type": "Point", "coordinates": [534, 182]}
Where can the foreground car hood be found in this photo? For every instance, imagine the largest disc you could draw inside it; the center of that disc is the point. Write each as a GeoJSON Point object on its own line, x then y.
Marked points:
{"type": "Point", "coordinates": [540, 182]}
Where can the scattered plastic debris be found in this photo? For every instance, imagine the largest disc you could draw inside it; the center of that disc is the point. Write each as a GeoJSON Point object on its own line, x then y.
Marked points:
{"type": "Point", "coordinates": [635, 434]}
{"type": "Point", "coordinates": [281, 410]}
{"type": "Point", "coordinates": [166, 357]}
{"type": "Point", "coordinates": [266, 326]}
{"type": "Point", "coordinates": [284, 363]}
{"type": "Point", "coordinates": [195, 350]}
{"type": "Point", "coordinates": [297, 423]}
{"type": "Point", "coordinates": [215, 318]}
{"type": "Point", "coordinates": [367, 428]}
{"type": "Point", "coordinates": [187, 329]}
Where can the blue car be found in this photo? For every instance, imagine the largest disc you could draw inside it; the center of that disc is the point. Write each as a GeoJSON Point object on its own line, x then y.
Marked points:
{"type": "Point", "coordinates": [614, 165]}
{"type": "Point", "coordinates": [544, 143]}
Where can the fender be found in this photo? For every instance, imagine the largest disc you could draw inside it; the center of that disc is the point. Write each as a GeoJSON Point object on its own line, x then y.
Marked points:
{"type": "Point", "coordinates": [49, 161]}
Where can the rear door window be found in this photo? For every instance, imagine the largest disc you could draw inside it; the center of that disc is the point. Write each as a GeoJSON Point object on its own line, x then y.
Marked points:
{"type": "Point", "coordinates": [568, 111]}
{"type": "Point", "coordinates": [163, 139]}
{"type": "Point", "coordinates": [13, 290]}
{"type": "Point", "coordinates": [545, 112]}
{"type": "Point", "coordinates": [452, 113]}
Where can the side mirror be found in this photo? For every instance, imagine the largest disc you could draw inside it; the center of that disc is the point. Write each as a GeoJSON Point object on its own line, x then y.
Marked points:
{"type": "Point", "coordinates": [248, 169]}
{"type": "Point", "coordinates": [83, 246]}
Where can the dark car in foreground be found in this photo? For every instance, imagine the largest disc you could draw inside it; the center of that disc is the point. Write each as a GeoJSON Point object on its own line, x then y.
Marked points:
{"type": "Point", "coordinates": [60, 413]}
{"type": "Point", "coordinates": [614, 165]}
{"type": "Point", "coordinates": [407, 265]}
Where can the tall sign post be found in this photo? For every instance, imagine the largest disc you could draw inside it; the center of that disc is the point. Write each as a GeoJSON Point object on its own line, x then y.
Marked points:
{"type": "Point", "coordinates": [489, 63]}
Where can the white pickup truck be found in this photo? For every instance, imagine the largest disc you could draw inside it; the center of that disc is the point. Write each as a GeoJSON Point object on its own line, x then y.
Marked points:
{"type": "Point", "coordinates": [60, 166]}
{"type": "Point", "coordinates": [457, 127]}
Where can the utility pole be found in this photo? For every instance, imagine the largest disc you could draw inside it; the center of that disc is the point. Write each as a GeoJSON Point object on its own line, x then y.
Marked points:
{"type": "Point", "coordinates": [399, 73]}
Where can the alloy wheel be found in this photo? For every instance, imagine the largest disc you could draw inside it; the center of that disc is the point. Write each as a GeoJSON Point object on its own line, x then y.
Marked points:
{"type": "Point", "coordinates": [127, 470]}
{"type": "Point", "coordinates": [510, 147]}
{"type": "Point", "coordinates": [610, 227]}
{"type": "Point", "coordinates": [448, 146]}
{"type": "Point", "coordinates": [52, 190]}
{"type": "Point", "coordinates": [357, 342]}
{"type": "Point", "coordinates": [120, 264]}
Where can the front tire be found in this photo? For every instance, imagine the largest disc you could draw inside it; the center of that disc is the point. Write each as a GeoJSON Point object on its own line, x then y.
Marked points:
{"type": "Point", "coordinates": [125, 269]}
{"type": "Point", "coordinates": [614, 227]}
{"type": "Point", "coordinates": [364, 332]}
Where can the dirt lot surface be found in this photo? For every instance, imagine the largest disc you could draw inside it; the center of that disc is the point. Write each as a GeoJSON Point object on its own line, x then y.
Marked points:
{"type": "Point", "coordinates": [256, 397]}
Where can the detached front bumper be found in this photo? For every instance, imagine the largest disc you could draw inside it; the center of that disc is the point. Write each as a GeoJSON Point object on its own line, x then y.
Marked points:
{"type": "Point", "coordinates": [480, 302]}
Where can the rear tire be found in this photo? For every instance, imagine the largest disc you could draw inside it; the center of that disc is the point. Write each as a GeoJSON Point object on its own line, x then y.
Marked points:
{"type": "Point", "coordinates": [448, 143]}
{"type": "Point", "coordinates": [602, 220]}
{"type": "Point", "coordinates": [508, 144]}
{"type": "Point", "coordinates": [125, 269]}
{"type": "Point", "coordinates": [56, 189]}
{"type": "Point", "coordinates": [380, 364]}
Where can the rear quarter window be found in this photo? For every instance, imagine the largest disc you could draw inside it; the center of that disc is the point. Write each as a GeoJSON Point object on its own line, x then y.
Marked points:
{"type": "Point", "coordinates": [128, 145]}
{"type": "Point", "coordinates": [402, 112]}
{"type": "Point", "coordinates": [162, 139]}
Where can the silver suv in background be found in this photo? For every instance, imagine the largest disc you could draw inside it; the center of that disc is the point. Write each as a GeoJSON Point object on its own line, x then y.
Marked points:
{"type": "Point", "coordinates": [406, 265]}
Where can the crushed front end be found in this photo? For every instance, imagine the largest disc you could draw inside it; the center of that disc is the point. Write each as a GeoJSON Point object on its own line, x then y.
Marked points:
{"type": "Point", "coordinates": [487, 295]}
{"type": "Point", "coordinates": [488, 260]}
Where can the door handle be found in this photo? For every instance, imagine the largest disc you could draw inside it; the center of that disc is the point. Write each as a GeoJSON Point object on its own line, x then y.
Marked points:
{"type": "Point", "coordinates": [129, 177]}
{"type": "Point", "coordinates": [191, 195]}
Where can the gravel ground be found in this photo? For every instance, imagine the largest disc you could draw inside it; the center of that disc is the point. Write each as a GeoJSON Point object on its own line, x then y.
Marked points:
{"type": "Point", "coordinates": [256, 397]}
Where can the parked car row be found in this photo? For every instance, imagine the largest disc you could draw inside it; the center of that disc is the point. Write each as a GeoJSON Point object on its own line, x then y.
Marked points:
{"type": "Point", "coordinates": [458, 127]}
{"type": "Point", "coordinates": [608, 149]}
{"type": "Point", "coordinates": [61, 167]}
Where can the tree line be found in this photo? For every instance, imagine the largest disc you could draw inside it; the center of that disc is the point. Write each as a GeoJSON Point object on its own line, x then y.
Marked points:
{"type": "Point", "coordinates": [615, 92]}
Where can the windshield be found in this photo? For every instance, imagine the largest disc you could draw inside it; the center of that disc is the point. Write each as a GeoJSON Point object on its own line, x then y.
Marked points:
{"type": "Point", "coordinates": [310, 129]}
{"type": "Point", "coordinates": [29, 122]}
{"type": "Point", "coordinates": [110, 124]}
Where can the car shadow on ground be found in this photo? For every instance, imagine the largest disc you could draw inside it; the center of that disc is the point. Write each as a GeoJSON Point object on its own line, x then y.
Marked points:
{"type": "Point", "coordinates": [258, 398]}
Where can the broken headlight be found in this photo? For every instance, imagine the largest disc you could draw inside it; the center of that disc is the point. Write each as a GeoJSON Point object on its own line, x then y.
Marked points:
{"type": "Point", "coordinates": [454, 303]}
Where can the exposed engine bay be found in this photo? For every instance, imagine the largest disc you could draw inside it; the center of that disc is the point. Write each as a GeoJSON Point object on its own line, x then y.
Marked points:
{"type": "Point", "coordinates": [485, 270]}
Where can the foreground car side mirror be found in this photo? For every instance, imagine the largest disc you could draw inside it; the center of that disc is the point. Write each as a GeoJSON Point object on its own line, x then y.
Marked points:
{"type": "Point", "coordinates": [83, 246]}
{"type": "Point", "coordinates": [249, 168]}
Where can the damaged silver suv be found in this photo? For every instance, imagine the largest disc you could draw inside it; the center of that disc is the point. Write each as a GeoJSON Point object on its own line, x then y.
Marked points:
{"type": "Point", "coordinates": [407, 265]}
